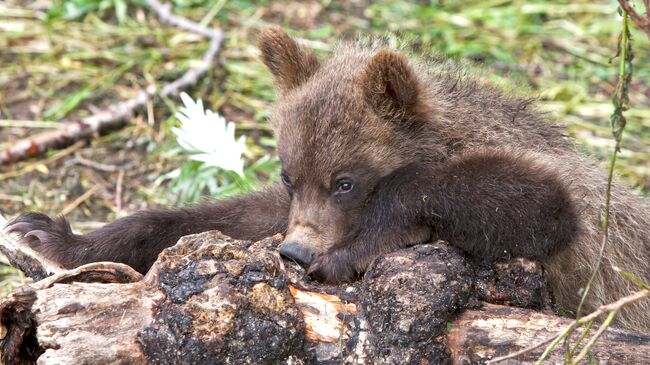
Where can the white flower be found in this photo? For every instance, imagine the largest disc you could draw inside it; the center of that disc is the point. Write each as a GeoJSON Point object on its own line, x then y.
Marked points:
{"type": "Point", "coordinates": [208, 138]}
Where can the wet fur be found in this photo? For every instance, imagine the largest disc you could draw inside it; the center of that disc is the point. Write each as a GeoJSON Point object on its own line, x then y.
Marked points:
{"type": "Point", "coordinates": [441, 154]}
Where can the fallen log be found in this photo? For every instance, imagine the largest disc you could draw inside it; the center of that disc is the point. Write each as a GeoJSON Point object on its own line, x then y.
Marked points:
{"type": "Point", "coordinates": [207, 300]}
{"type": "Point", "coordinates": [213, 299]}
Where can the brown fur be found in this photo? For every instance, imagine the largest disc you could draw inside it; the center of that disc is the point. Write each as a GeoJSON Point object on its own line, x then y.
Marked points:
{"type": "Point", "coordinates": [430, 153]}
{"type": "Point", "coordinates": [137, 239]}
{"type": "Point", "coordinates": [292, 65]}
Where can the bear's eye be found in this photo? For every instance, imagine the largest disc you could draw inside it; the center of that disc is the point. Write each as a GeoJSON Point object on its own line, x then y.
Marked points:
{"type": "Point", "coordinates": [286, 181]}
{"type": "Point", "coordinates": [344, 186]}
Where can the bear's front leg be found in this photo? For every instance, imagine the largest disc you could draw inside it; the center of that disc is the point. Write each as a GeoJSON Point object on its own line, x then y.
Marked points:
{"type": "Point", "coordinates": [335, 267]}
{"type": "Point", "coordinates": [488, 203]}
{"type": "Point", "coordinates": [137, 240]}
{"type": "Point", "coordinates": [351, 260]}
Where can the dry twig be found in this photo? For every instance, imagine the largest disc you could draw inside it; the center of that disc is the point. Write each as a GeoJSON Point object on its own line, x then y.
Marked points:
{"type": "Point", "coordinates": [85, 196]}
{"type": "Point", "coordinates": [118, 192]}
{"type": "Point", "coordinates": [101, 166]}
{"type": "Point", "coordinates": [72, 149]}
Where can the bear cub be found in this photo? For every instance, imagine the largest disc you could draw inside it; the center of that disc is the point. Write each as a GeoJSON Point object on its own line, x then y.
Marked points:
{"type": "Point", "coordinates": [380, 152]}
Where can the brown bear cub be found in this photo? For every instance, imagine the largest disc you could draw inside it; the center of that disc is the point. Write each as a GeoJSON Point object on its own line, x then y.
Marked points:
{"type": "Point", "coordinates": [380, 152]}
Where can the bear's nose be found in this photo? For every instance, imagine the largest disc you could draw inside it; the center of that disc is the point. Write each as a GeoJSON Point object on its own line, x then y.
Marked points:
{"type": "Point", "coordinates": [294, 251]}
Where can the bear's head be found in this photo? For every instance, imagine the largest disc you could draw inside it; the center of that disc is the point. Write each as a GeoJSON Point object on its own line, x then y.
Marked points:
{"type": "Point", "coordinates": [341, 126]}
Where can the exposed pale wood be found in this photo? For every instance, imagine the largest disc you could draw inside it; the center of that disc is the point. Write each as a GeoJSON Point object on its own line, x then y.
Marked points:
{"type": "Point", "coordinates": [76, 321]}
{"type": "Point", "coordinates": [93, 323]}
{"type": "Point", "coordinates": [209, 299]}
{"type": "Point", "coordinates": [322, 314]}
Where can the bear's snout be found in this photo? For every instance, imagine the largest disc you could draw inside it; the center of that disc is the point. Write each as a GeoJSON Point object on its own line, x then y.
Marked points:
{"type": "Point", "coordinates": [293, 250]}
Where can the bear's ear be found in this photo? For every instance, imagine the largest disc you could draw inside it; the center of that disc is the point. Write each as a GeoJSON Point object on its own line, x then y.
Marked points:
{"type": "Point", "coordinates": [290, 63]}
{"type": "Point", "coordinates": [389, 85]}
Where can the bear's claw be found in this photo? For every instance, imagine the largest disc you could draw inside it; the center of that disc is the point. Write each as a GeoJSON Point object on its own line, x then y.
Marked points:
{"type": "Point", "coordinates": [36, 229]}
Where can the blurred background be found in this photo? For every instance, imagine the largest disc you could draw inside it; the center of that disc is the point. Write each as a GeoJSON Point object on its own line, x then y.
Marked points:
{"type": "Point", "coordinates": [63, 60]}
